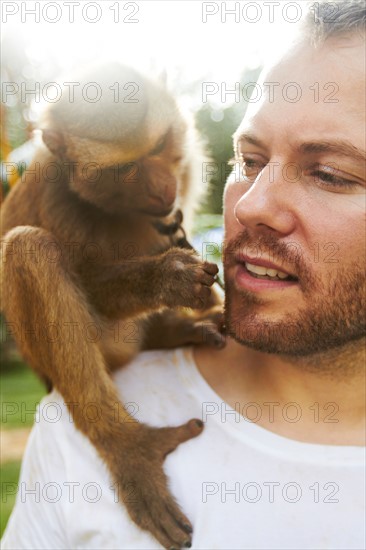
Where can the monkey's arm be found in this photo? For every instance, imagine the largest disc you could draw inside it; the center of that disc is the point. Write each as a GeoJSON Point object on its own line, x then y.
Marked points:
{"type": "Point", "coordinates": [175, 278]}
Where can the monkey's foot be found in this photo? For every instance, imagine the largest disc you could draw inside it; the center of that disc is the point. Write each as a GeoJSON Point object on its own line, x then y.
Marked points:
{"type": "Point", "coordinates": [143, 485]}
{"type": "Point", "coordinates": [209, 328]}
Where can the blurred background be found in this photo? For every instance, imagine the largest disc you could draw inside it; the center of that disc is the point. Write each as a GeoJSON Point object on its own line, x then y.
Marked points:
{"type": "Point", "coordinates": [210, 52]}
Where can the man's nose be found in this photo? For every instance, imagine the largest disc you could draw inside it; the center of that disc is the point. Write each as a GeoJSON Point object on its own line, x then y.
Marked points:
{"type": "Point", "coordinates": [270, 203]}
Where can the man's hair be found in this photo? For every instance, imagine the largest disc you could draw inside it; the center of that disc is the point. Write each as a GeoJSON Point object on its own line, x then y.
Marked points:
{"type": "Point", "coordinates": [326, 19]}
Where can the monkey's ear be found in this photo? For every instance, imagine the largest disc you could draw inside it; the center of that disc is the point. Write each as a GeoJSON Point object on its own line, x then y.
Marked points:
{"type": "Point", "coordinates": [54, 140]}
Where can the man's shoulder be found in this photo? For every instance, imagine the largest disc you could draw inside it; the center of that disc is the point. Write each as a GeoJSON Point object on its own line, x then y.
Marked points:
{"type": "Point", "coordinates": [154, 366]}
{"type": "Point", "coordinates": [155, 387]}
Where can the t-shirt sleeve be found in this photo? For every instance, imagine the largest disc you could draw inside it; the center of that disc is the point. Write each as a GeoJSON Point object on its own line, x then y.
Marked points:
{"type": "Point", "coordinates": [37, 520]}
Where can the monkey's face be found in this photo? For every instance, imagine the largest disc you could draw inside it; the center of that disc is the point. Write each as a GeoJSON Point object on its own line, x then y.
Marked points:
{"type": "Point", "coordinates": [127, 156]}
{"type": "Point", "coordinates": [147, 184]}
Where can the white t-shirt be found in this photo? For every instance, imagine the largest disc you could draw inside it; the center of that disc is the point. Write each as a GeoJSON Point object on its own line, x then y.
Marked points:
{"type": "Point", "coordinates": [241, 486]}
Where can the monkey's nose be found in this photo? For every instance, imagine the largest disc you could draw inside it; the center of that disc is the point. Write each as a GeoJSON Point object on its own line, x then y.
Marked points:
{"type": "Point", "coordinates": [155, 200]}
{"type": "Point", "coordinates": [165, 199]}
{"type": "Point", "coordinates": [159, 205]}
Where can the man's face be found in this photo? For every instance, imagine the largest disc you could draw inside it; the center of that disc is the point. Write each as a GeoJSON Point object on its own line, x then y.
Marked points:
{"type": "Point", "coordinates": [299, 208]}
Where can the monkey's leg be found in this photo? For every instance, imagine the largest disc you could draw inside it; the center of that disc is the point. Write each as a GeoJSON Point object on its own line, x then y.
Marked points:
{"type": "Point", "coordinates": [42, 302]}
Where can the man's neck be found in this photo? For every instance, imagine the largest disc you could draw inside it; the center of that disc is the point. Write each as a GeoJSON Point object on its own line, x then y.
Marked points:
{"type": "Point", "coordinates": [318, 400]}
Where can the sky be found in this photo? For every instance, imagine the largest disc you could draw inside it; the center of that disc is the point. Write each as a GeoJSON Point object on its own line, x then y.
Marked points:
{"type": "Point", "coordinates": [190, 39]}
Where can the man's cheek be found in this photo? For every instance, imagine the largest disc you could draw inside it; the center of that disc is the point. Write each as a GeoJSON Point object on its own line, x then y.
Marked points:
{"type": "Point", "coordinates": [232, 227]}
{"type": "Point", "coordinates": [231, 199]}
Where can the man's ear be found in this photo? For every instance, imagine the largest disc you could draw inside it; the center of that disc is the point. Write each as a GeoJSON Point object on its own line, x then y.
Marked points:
{"type": "Point", "coordinates": [54, 140]}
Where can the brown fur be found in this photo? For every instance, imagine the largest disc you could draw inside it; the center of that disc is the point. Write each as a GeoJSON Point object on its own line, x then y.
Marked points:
{"type": "Point", "coordinates": [79, 257]}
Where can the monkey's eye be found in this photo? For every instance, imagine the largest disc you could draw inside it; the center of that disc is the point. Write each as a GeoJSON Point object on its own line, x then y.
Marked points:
{"type": "Point", "coordinates": [159, 148]}
{"type": "Point", "coordinates": [123, 168]}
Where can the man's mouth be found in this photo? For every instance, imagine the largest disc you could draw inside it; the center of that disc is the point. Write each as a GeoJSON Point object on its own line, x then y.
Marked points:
{"type": "Point", "coordinates": [261, 272]}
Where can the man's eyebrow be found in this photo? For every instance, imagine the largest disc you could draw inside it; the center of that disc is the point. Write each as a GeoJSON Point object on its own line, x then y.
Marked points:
{"type": "Point", "coordinates": [249, 138]}
{"type": "Point", "coordinates": [338, 147]}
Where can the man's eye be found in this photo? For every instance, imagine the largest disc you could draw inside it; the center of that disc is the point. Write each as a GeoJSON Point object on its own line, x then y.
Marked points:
{"type": "Point", "coordinates": [251, 168]}
{"type": "Point", "coordinates": [329, 179]}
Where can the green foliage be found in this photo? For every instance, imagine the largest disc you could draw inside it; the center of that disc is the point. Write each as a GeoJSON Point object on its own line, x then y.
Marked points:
{"type": "Point", "coordinates": [205, 222]}
{"type": "Point", "coordinates": [9, 476]}
{"type": "Point", "coordinates": [218, 135]}
{"type": "Point", "coordinates": [217, 126]}
{"type": "Point", "coordinates": [20, 393]}
{"type": "Point", "coordinates": [16, 127]}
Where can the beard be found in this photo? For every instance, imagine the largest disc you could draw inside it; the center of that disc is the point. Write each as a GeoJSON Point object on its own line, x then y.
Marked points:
{"type": "Point", "coordinates": [333, 315]}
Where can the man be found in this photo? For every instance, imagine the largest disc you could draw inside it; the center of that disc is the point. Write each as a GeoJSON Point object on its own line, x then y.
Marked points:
{"type": "Point", "coordinates": [280, 463]}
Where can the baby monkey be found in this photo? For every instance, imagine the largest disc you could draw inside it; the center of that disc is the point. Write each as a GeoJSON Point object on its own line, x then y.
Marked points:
{"type": "Point", "coordinates": [91, 246]}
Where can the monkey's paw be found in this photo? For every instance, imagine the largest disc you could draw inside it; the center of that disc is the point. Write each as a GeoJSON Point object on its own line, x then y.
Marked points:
{"type": "Point", "coordinates": [185, 279]}
{"type": "Point", "coordinates": [143, 486]}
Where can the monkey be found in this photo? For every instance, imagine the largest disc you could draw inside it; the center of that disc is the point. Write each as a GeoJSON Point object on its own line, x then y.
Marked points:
{"type": "Point", "coordinates": [84, 248]}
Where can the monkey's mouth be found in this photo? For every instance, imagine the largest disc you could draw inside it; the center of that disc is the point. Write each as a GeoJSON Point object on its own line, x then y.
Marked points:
{"type": "Point", "coordinates": [156, 212]}
{"type": "Point", "coordinates": [158, 207]}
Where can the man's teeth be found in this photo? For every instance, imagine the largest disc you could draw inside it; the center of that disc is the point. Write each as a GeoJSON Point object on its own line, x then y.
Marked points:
{"type": "Point", "coordinates": [263, 271]}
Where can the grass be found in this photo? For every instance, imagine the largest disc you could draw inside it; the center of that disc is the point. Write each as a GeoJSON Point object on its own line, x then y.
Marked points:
{"type": "Point", "coordinates": [9, 476]}
{"type": "Point", "coordinates": [20, 392]}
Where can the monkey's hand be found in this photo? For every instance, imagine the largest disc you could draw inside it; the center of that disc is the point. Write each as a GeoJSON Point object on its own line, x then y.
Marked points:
{"type": "Point", "coordinates": [143, 486]}
{"type": "Point", "coordinates": [185, 280]}
{"type": "Point", "coordinates": [178, 238]}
